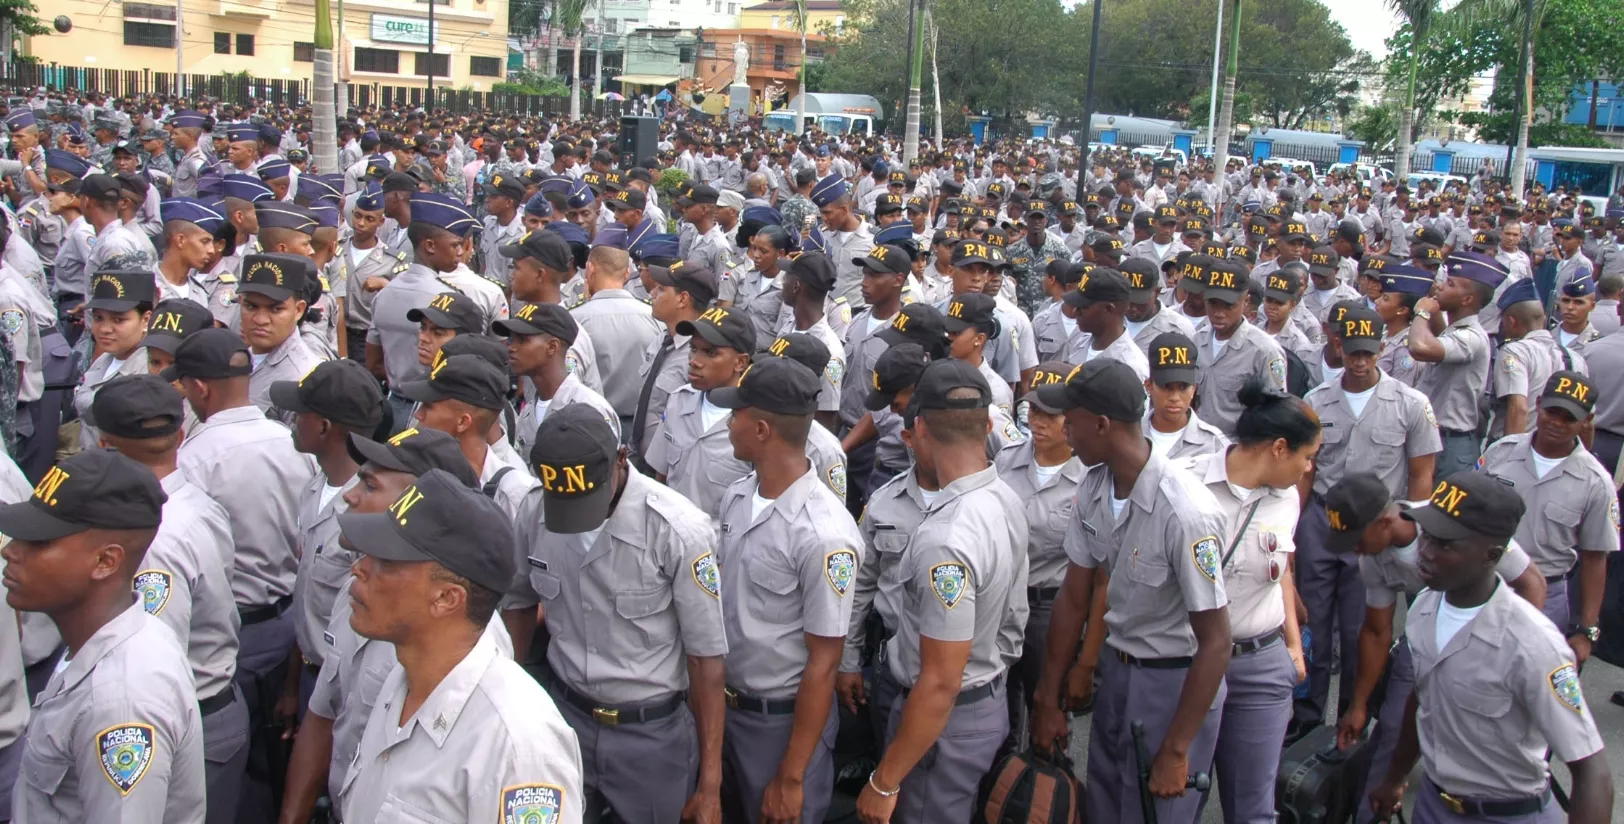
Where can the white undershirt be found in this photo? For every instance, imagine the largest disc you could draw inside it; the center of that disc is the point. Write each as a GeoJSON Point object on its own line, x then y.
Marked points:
{"type": "Point", "coordinates": [1564, 338]}
{"type": "Point", "coordinates": [1451, 620]}
{"type": "Point", "coordinates": [327, 493]}
{"type": "Point", "coordinates": [357, 254]}
{"type": "Point", "coordinates": [1068, 324]}
{"type": "Point", "coordinates": [1218, 346]}
{"type": "Point", "coordinates": [1045, 474]}
{"type": "Point", "coordinates": [258, 359]}
{"type": "Point", "coordinates": [710, 413]}
{"type": "Point", "coordinates": [1162, 442]}
{"type": "Point", "coordinates": [1161, 249]}
{"type": "Point", "coordinates": [1117, 505]}
{"type": "Point", "coordinates": [1544, 465]}
{"type": "Point", "coordinates": [1330, 373]}
{"type": "Point", "coordinates": [929, 496]}
{"type": "Point", "coordinates": [758, 503]}
{"type": "Point", "coordinates": [1240, 492]}
{"type": "Point", "coordinates": [585, 540]}
{"type": "Point", "coordinates": [875, 323]}
{"type": "Point", "coordinates": [1134, 327]}
{"type": "Point", "coordinates": [1357, 400]}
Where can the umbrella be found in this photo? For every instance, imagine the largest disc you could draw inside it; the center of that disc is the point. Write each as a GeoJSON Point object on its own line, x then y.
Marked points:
{"type": "Point", "coordinates": [610, 96]}
{"type": "Point", "coordinates": [663, 95]}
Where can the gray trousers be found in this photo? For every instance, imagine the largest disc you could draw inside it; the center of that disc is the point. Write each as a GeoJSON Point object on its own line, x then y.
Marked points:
{"type": "Point", "coordinates": [1129, 693]}
{"type": "Point", "coordinates": [1384, 738]}
{"type": "Point", "coordinates": [1459, 454]}
{"type": "Point", "coordinates": [1023, 676]}
{"type": "Point", "coordinates": [642, 773]}
{"type": "Point", "coordinates": [1330, 587]}
{"type": "Point", "coordinates": [1557, 607]}
{"type": "Point", "coordinates": [401, 408]}
{"type": "Point", "coordinates": [262, 662]}
{"type": "Point", "coordinates": [11, 758]}
{"type": "Point", "coordinates": [882, 693]}
{"type": "Point", "coordinates": [225, 758]}
{"type": "Point", "coordinates": [1430, 809]}
{"type": "Point", "coordinates": [751, 753]}
{"type": "Point", "coordinates": [942, 787]}
{"type": "Point", "coordinates": [1253, 721]}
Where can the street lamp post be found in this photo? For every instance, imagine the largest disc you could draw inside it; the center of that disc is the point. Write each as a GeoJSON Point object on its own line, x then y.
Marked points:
{"type": "Point", "coordinates": [429, 105]}
{"type": "Point", "coordinates": [1088, 99]}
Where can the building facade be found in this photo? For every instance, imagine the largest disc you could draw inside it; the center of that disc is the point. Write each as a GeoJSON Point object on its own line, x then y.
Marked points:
{"type": "Point", "coordinates": [822, 16]}
{"type": "Point", "coordinates": [773, 66]}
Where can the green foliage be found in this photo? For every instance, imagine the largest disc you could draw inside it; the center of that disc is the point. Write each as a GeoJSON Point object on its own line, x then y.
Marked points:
{"type": "Point", "coordinates": [1377, 126]}
{"type": "Point", "coordinates": [24, 17]}
{"type": "Point", "coordinates": [670, 181]}
{"type": "Point", "coordinates": [1244, 108]}
{"type": "Point", "coordinates": [528, 81]}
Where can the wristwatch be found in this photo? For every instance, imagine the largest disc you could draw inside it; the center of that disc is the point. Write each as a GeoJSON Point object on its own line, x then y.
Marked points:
{"type": "Point", "coordinates": [1590, 633]}
{"type": "Point", "coordinates": [1423, 314]}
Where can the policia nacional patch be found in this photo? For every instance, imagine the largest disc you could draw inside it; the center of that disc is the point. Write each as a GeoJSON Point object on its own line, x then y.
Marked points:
{"type": "Point", "coordinates": [532, 804]}
{"type": "Point", "coordinates": [126, 753]}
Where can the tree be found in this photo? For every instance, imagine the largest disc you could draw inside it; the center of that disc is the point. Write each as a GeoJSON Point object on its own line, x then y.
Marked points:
{"type": "Point", "coordinates": [1377, 126]}
{"type": "Point", "coordinates": [18, 17]}
{"type": "Point", "coordinates": [325, 133]}
{"type": "Point", "coordinates": [567, 18]}
{"type": "Point", "coordinates": [1417, 15]}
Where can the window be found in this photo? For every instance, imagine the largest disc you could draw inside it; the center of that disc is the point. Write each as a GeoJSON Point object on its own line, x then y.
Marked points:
{"type": "Point", "coordinates": [685, 53]}
{"type": "Point", "coordinates": [778, 57]}
{"type": "Point", "coordinates": [378, 61]}
{"type": "Point", "coordinates": [222, 42]}
{"type": "Point", "coordinates": [485, 66]}
{"type": "Point", "coordinates": [148, 34]}
{"type": "Point", "coordinates": [611, 26]}
{"type": "Point", "coordinates": [147, 11]}
{"type": "Point", "coordinates": [442, 64]}
{"type": "Point", "coordinates": [707, 49]}
{"type": "Point", "coordinates": [304, 52]}
{"type": "Point", "coordinates": [718, 6]}
{"type": "Point", "coordinates": [733, 9]}
{"type": "Point", "coordinates": [245, 44]}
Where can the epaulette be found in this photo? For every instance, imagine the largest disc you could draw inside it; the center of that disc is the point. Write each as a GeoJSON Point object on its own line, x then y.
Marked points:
{"type": "Point", "coordinates": [227, 277]}
{"type": "Point", "coordinates": [449, 285]}
{"type": "Point", "coordinates": [400, 256]}
{"type": "Point", "coordinates": [324, 285]}
{"type": "Point", "coordinates": [401, 268]}
{"type": "Point", "coordinates": [579, 302]}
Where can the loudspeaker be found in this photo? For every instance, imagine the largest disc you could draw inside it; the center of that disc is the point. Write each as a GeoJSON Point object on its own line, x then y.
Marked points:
{"type": "Point", "coordinates": [639, 137]}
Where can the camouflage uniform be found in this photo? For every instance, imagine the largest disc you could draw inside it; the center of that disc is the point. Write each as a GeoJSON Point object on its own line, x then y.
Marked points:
{"type": "Point", "coordinates": [1028, 268]}
{"type": "Point", "coordinates": [795, 211]}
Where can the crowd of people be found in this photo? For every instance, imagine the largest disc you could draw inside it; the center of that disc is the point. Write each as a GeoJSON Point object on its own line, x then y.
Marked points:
{"type": "Point", "coordinates": [500, 473]}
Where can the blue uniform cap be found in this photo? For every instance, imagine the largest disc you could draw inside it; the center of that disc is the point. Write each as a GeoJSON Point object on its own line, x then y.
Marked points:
{"type": "Point", "coordinates": [581, 195]}
{"type": "Point", "coordinates": [278, 214]}
{"type": "Point", "coordinates": [370, 198]}
{"type": "Point", "coordinates": [274, 168]}
{"type": "Point", "coordinates": [537, 206]}
{"type": "Point", "coordinates": [20, 119]}
{"type": "Point", "coordinates": [325, 215]}
{"type": "Point", "coordinates": [1405, 280]}
{"type": "Point", "coordinates": [317, 188]}
{"type": "Point", "coordinates": [76, 134]}
{"type": "Point", "coordinates": [569, 232]}
{"type": "Point", "coordinates": [244, 187]}
{"type": "Point", "coordinates": [369, 134]}
{"type": "Point", "coordinates": [186, 118]}
{"type": "Point", "coordinates": [656, 246]}
{"type": "Point", "coordinates": [1476, 266]}
{"type": "Point", "coordinates": [557, 183]}
{"type": "Point", "coordinates": [896, 234]}
{"type": "Point", "coordinates": [613, 235]}
{"type": "Point", "coordinates": [269, 133]}
{"type": "Point", "coordinates": [763, 215]}
{"type": "Point", "coordinates": [828, 190]}
{"type": "Point", "coordinates": [65, 161]}
{"type": "Point", "coordinates": [1613, 214]}
{"type": "Point", "coordinates": [191, 210]}
{"type": "Point", "coordinates": [1579, 287]}
{"type": "Point", "coordinates": [814, 243]}
{"type": "Point", "coordinates": [240, 132]}
{"type": "Point", "coordinates": [443, 211]}
{"type": "Point", "coordinates": [1522, 290]}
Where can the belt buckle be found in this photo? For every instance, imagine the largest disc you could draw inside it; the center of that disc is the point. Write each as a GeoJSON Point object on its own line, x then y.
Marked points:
{"type": "Point", "coordinates": [608, 718]}
{"type": "Point", "coordinates": [1455, 805]}
{"type": "Point", "coordinates": [731, 697]}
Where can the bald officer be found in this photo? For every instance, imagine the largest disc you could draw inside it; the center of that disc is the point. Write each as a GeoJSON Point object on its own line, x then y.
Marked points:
{"type": "Point", "coordinates": [1496, 688]}
{"type": "Point", "coordinates": [185, 579]}
{"type": "Point", "coordinates": [1155, 529]}
{"type": "Point", "coordinates": [459, 730]}
{"type": "Point", "coordinates": [1230, 350]}
{"type": "Point", "coordinates": [626, 576]}
{"type": "Point", "coordinates": [789, 553]}
{"type": "Point", "coordinates": [1456, 354]}
{"type": "Point", "coordinates": [97, 749]}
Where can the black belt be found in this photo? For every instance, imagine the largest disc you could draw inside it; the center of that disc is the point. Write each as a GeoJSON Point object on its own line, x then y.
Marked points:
{"type": "Point", "coordinates": [1462, 432]}
{"type": "Point", "coordinates": [1551, 579]}
{"type": "Point", "coordinates": [1255, 644]}
{"type": "Point", "coordinates": [1182, 662]}
{"type": "Point", "coordinates": [616, 716]}
{"type": "Point", "coordinates": [971, 695]}
{"type": "Point", "coordinates": [760, 706]}
{"type": "Point", "coordinates": [394, 394]}
{"type": "Point", "coordinates": [1494, 809]}
{"type": "Point", "coordinates": [259, 615]}
{"type": "Point", "coordinates": [218, 701]}
{"type": "Point", "coordinates": [1039, 595]}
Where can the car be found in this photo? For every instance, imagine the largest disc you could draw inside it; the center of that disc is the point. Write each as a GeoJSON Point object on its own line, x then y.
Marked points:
{"type": "Point", "coordinates": [1439, 179]}
{"type": "Point", "coordinates": [1366, 173]}
{"type": "Point", "coordinates": [1159, 152]}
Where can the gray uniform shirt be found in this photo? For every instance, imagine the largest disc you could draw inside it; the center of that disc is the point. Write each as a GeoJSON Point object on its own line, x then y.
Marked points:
{"type": "Point", "coordinates": [1049, 505]}
{"type": "Point", "coordinates": [1165, 320]}
{"type": "Point", "coordinates": [289, 361]}
{"type": "Point", "coordinates": [788, 571]}
{"type": "Point", "coordinates": [247, 463]}
{"type": "Point", "coordinates": [25, 317]}
{"type": "Point", "coordinates": [1249, 352]}
{"type": "Point", "coordinates": [843, 248]}
{"type": "Point", "coordinates": [622, 327]}
{"type": "Point", "coordinates": [118, 245]}
{"type": "Point", "coordinates": [1396, 424]}
{"type": "Point", "coordinates": [627, 610]}
{"type": "Point", "coordinates": [377, 262]}
{"type": "Point", "coordinates": [185, 582]}
{"type": "Point", "coordinates": [411, 289]}
{"type": "Point", "coordinates": [497, 235]}
{"type": "Point", "coordinates": [863, 348]}
{"type": "Point", "coordinates": [1571, 508]}
{"type": "Point", "coordinates": [1455, 383]}
{"type": "Point", "coordinates": [1521, 367]}
{"type": "Point", "coordinates": [324, 566]}
{"type": "Point", "coordinates": [1162, 555]}
{"type": "Point", "coordinates": [1256, 540]}
{"type": "Point", "coordinates": [672, 375]}
{"type": "Point", "coordinates": [535, 410]}
{"type": "Point", "coordinates": [99, 750]}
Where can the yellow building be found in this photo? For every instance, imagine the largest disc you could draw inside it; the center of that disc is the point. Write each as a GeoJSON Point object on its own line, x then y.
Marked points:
{"type": "Point", "coordinates": [383, 42]}
{"type": "Point", "coordinates": [822, 16]}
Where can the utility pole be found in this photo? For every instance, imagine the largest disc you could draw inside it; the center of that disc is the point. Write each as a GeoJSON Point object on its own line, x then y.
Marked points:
{"type": "Point", "coordinates": [916, 68]}
{"type": "Point", "coordinates": [1088, 101]}
{"type": "Point", "coordinates": [1226, 116]}
{"type": "Point", "coordinates": [597, 70]}
{"type": "Point", "coordinates": [1212, 96]}
{"type": "Point", "coordinates": [180, 41]}
{"type": "Point", "coordinates": [341, 87]}
{"type": "Point", "coordinates": [428, 106]}
{"type": "Point", "coordinates": [1516, 164]}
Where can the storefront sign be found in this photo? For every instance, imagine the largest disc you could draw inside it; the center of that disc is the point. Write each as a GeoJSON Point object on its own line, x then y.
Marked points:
{"type": "Point", "coordinates": [411, 31]}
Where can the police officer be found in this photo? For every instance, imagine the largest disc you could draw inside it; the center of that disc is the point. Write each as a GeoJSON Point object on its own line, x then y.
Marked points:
{"type": "Point", "coordinates": [463, 396]}
{"type": "Point", "coordinates": [822, 446]}
{"type": "Point", "coordinates": [958, 611]}
{"type": "Point", "coordinates": [543, 264]}
{"type": "Point", "coordinates": [116, 735]}
{"type": "Point", "coordinates": [1402, 287]}
{"type": "Point", "coordinates": [247, 463]}
{"type": "Point", "coordinates": [1367, 522]}
{"type": "Point", "coordinates": [1457, 354]}
{"type": "Point", "coordinates": [364, 265]}
{"type": "Point", "coordinates": [691, 453]}
{"type": "Point", "coordinates": [885, 277]}
{"type": "Point", "coordinates": [684, 292]}
{"type": "Point", "coordinates": [1231, 350]}
{"type": "Point", "coordinates": [621, 327]}
{"type": "Point", "coordinates": [626, 576]}
{"type": "Point", "coordinates": [187, 127]}
{"type": "Point", "coordinates": [1171, 422]}
{"type": "Point", "coordinates": [1146, 317]}
{"type": "Point", "coordinates": [1528, 355]}
{"type": "Point", "coordinates": [120, 305]}
{"type": "Point", "coordinates": [448, 315]}
{"type": "Point", "coordinates": [807, 282]}
{"type": "Point", "coordinates": [454, 700]}
{"type": "Point", "coordinates": [788, 554]}
{"type": "Point", "coordinates": [1101, 301]}
{"type": "Point", "coordinates": [184, 581]}
{"type": "Point", "coordinates": [1495, 686]}
{"type": "Point", "coordinates": [272, 303]}
{"type": "Point", "coordinates": [1569, 528]}
{"type": "Point", "coordinates": [503, 225]}
{"type": "Point", "coordinates": [540, 338]}
{"type": "Point", "coordinates": [1156, 529]}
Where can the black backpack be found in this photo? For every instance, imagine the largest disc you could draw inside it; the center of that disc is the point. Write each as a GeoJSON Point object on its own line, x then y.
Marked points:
{"type": "Point", "coordinates": [1026, 788]}
{"type": "Point", "coordinates": [1298, 379]}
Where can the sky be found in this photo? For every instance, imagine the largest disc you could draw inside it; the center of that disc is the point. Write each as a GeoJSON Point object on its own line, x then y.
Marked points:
{"type": "Point", "coordinates": [1368, 23]}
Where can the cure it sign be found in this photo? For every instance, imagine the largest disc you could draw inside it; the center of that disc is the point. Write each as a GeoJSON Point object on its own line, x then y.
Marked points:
{"type": "Point", "coordinates": [412, 31]}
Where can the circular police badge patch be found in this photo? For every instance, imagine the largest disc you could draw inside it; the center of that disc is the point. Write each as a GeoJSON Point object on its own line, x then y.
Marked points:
{"type": "Point", "coordinates": [837, 480]}
{"type": "Point", "coordinates": [11, 321]}
{"type": "Point", "coordinates": [948, 581]}
{"type": "Point", "coordinates": [572, 364]}
{"type": "Point", "coordinates": [840, 567]}
{"type": "Point", "coordinates": [1277, 368]}
{"type": "Point", "coordinates": [1405, 361]}
{"type": "Point", "coordinates": [1205, 552]}
{"type": "Point", "coordinates": [1564, 681]}
{"type": "Point", "coordinates": [532, 804]}
{"type": "Point", "coordinates": [833, 372]}
{"type": "Point", "coordinates": [126, 752]}
{"type": "Point", "coordinates": [707, 576]}
{"type": "Point", "coordinates": [1432, 418]}
{"type": "Point", "coordinates": [153, 585]}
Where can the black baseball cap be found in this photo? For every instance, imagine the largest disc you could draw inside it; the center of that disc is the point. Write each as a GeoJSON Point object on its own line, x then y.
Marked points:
{"type": "Point", "coordinates": [95, 489]}
{"type": "Point", "coordinates": [691, 276]}
{"type": "Point", "coordinates": [945, 376]}
{"type": "Point", "coordinates": [100, 187]}
{"type": "Point", "coordinates": [1360, 329]}
{"type": "Point", "coordinates": [633, 199]}
{"type": "Point", "coordinates": [120, 290]}
{"type": "Point", "coordinates": [1046, 374]}
{"type": "Point", "coordinates": [1323, 260]}
{"type": "Point", "coordinates": [342, 391]}
{"type": "Point", "coordinates": [1142, 278]}
{"type": "Point", "coordinates": [1283, 285]}
{"type": "Point", "coordinates": [1470, 503]}
{"type": "Point", "coordinates": [974, 309]}
{"type": "Point", "coordinates": [1295, 230]}
{"type": "Point", "coordinates": [210, 354]}
{"type": "Point", "coordinates": [438, 518]}
{"type": "Point", "coordinates": [966, 252]}
{"type": "Point", "coordinates": [698, 194]}
{"type": "Point", "coordinates": [895, 370]}
{"type": "Point", "coordinates": [137, 406]}
{"type": "Point", "coordinates": [539, 318]}
{"type": "Point", "coordinates": [919, 323]}
{"type": "Point", "coordinates": [778, 385]}
{"type": "Point", "coordinates": [801, 348]}
{"type": "Point", "coordinates": [449, 310]}
{"type": "Point", "coordinates": [1103, 386]}
{"type": "Point", "coordinates": [885, 260]}
{"type": "Point", "coordinates": [506, 186]}
{"type": "Point", "coordinates": [1571, 392]}
{"type": "Point", "coordinates": [1226, 281]}
{"type": "Point", "coordinates": [471, 379]}
{"type": "Point", "coordinates": [1352, 504]}
{"type": "Point", "coordinates": [1173, 359]}
{"type": "Point", "coordinates": [1100, 285]}
{"type": "Point", "coordinates": [276, 275]}
{"type": "Point", "coordinates": [172, 321]}
{"type": "Point", "coordinates": [574, 455]}
{"type": "Point", "coordinates": [722, 327]}
{"type": "Point", "coordinates": [547, 248]}
{"type": "Point", "coordinates": [415, 451]}
{"type": "Point", "coordinates": [814, 269]}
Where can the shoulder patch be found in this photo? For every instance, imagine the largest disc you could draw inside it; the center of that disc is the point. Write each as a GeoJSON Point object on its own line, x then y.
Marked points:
{"type": "Point", "coordinates": [1012, 433]}
{"type": "Point", "coordinates": [11, 321]}
{"type": "Point", "coordinates": [948, 581]}
{"type": "Point", "coordinates": [1432, 419]}
{"type": "Point", "coordinates": [834, 371]}
{"type": "Point", "coordinates": [1564, 682]}
{"type": "Point", "coordinates": [1612, 512]}
{"type": "Point", "coordinates": [532, 804]}
{"type": "Point", "coordinates": [154, 586]}
{"type": "Point", "coordinates": [1205, 552]}
{"type": "Point", "coordinates": [1277, 369]}
{"type": "Point", "coordinates": [707, 576]}
{"type": "Point", "coordinates": [840, 568]}
{"type": "Point", "coordinates": [126, 752]}
{"type": "Point", "coordinates": [836, 476]}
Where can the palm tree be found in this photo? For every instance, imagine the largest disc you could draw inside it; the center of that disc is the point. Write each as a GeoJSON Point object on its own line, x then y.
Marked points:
{"type": "Point", "coordinates": [321, 82]}
{"type": "Point", "coordinates": [1418, 14]}
{"type": "Point", "coordinates": [567, 16]}
{"type": "Point", "coordinates": [797, 19]}
{"type": "Point", "coordinates": [935, 74]}
{"type": "Point", "coordinates": [1518, 19]}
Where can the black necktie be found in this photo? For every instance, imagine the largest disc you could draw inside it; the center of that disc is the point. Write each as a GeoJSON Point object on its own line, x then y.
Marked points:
{"type": "Point", "coordinates": [648, 389]}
